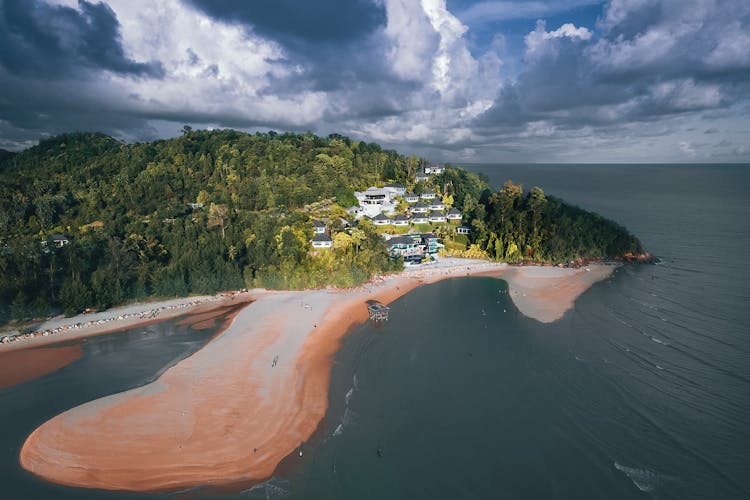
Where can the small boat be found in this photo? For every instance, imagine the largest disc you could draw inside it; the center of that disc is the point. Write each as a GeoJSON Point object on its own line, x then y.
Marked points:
{"type": "Point", "coordinates": [300, 448]}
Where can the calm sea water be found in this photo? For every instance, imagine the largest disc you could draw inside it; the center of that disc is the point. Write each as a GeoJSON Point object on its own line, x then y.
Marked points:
{"type": "Point", "coordinates": [641, 391]}
{"type": "Point", "coordinates": [109, 364]}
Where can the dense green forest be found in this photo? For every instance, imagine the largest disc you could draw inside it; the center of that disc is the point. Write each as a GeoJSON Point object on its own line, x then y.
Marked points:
{"type": "Point", "coordinates": [219, 210]}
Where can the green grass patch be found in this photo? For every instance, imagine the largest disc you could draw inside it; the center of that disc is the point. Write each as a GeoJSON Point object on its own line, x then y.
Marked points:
{"type": "Point", "coordinates": [454, 245]}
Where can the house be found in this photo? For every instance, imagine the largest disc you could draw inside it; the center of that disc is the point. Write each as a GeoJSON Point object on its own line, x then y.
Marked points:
{"type": "Point", "coordinates": [409, 247]}
{"type": "Point", "coordinates": [355, 211]}
{"type": "Point", "coordinates": [437, 204]}
{"type": "Point", "coordinates": [462, 230]}
{"type": "Point", "coordinates": [395, 189]}
{"type": "Point", "coordinates": [347, 224]}
{"type": "Point", "coordinates": [400, 220]}
{"type": "Point", "coordinates": [411, 198]}
{"type": "Point", "coordinates": [434, 169]}
{"type": "Point", "coordinates": [420, 219]}
{"type": "Point", "coordinates": [322, 241]}
{"type": "Point", "coordinates": [428, 194]}
{"type": "Point", "coordinates": [437, 216]}
{"type": "Point", "coordinates": [59, 240]}
{"type": "Point", "coordinates": [421, 177]}
{"type": "Point", "coordinates": [319, 227]}
{"type": "Point", "coordinates": [453, 214]}
{"type": "Point", "coordinates": [195, 206]}
{"type": "Point", "coordinates": [381, 220]}
{"type": "Point", "coordinates": [420, 208]}
{"type": "Point", "coordinates": [373, 196]}
{"type": "Point", "coordinates": [406, 247]}
{"type": "Point", "coordinates": [430, 242]}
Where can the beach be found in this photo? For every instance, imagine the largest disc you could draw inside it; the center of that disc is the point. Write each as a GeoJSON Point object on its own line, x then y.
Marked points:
{"type": "Point", "coordinates": [232, 411]}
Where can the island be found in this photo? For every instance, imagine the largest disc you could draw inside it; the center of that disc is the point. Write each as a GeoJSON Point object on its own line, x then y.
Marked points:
{"type": "Point", "coordinates": [304, 230]}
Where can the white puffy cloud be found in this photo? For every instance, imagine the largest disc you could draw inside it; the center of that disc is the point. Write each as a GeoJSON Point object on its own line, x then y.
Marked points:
{"type": "Point", "coordinates": [416, 76]}
{"type": "Point", "coordinates": [540, 41]}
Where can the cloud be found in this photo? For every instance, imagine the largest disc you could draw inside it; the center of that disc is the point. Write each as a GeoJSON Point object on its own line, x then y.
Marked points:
{"type": "Point", "coordinates": [43, 40]}
{"type": "Point", "coordinates": [647, 63]}
{"type": "Point", "coordinates": [687, 149]}
{"type": "Point", "coordinates": [327, 21]}
{"type": "Point", "coordinates": [411, 74]}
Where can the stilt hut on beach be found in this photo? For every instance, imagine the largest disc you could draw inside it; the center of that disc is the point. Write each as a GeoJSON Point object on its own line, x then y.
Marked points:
{"type": "Point", "coordinates": [378, 311]}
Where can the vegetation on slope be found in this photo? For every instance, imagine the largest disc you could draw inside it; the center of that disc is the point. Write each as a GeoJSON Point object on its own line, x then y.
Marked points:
{"type": "Point", "coordinates": [133, 232]}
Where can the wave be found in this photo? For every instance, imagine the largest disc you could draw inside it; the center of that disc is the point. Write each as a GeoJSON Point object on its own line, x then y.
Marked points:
{"type": "Point", "coordinates": [644, 479]}
{"type": "Point", "coordinates": [273, 488]}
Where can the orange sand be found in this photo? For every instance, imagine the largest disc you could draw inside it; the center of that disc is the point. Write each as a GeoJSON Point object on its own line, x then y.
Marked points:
{"type": "Point", "coordinates": [229, 413]}
{"type": "Point", "coordinates": [17, 367]}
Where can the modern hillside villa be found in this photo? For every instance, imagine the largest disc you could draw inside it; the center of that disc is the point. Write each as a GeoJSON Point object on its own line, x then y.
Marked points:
{"type": "Point", "coordinates": [379, 204]}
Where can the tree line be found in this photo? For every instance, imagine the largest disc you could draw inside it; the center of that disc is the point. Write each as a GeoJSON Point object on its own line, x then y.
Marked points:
{"type": "Point", "coordinates": [220, 210]}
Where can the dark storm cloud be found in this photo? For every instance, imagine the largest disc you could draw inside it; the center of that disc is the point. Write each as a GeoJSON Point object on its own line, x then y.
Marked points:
{"type": "Point", "coordinates": [42, 40]}
{"type": "Point", "coordinates": [331, 39]}
{"type": "Point", "coordinates": [286, 21]}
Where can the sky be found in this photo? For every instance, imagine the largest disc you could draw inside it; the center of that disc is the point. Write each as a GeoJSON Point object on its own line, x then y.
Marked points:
{"type": "Point", "coordinates": [450, 80]}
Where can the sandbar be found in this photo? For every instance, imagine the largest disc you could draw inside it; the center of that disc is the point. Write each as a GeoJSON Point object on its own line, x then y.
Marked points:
{"type": "Point", "coordinates": [232, 411]}
{"type": "Point", "coordinates": [28, 364]}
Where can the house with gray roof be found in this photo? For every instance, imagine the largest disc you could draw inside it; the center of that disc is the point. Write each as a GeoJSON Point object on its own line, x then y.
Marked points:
{"type": "Point", "coordinates": [318, 227]}
{"type": "Point", "coordinates": [411, 198]}
{"type": "Point", "coordinates": [437, 216]}
{"type": "Point", "coordinates": [381, 220]}
{"type": "Point", "coordinates": [322, 241]}
{"type": "Point", "coordinates": [400, 220]}
{"type": "Point", "coordinates": [453, 214]}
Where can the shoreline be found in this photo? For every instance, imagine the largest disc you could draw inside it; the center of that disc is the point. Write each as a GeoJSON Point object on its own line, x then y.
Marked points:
{"type": "Point", "coordinates": [235, 409]}
{"type": "Point", "coordinates": [61, 329]}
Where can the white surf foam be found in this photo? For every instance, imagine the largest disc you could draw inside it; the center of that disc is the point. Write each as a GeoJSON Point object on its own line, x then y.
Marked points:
{"type": "Point", "coordinates": [643, 479]}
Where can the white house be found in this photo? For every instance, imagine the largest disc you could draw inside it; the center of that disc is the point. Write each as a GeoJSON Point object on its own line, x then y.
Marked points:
{"type": "Point", "coordinates": [421, 177]}
{"type": "Point", "coordinates": [454, 214]}
{"type": "Point", "coordinates": [420, 219]}
{"type": "Point", "coordinates": [59, 240]}
{"type": "Point", "coordinates": [395, 189]}
{"type": "Point", "coordinates": [373, 196]}
{"type": "Point", "coordinates": [318, 227]}
{"type": "Point", "coordinates": [437, 205]}
{"type": "Point", "coordinates": [420, 208]}
{"type": "Point", "coordinates": [400, 220]}
{"type": "Point", "coordinates": [434, 169]}
{"type": "Point", "coordinates": [437, 217]}
{"type": "Point", "coordinates": [381, 219]}
{"type": "Point", "coordinates": [462, 230]}
{"type": "Point", "coordinates": [428, 194]}
{"type": "Point", "coordinates": [411, 198]}
{"type": "Point", "coordinates": [322, 241]}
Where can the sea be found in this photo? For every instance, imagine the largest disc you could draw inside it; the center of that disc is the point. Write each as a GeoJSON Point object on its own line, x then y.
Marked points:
{"type": "Point", "coordinates": [641, 391]}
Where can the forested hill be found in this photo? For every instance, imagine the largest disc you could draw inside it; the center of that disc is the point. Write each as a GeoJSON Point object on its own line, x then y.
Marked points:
{"type": "Point", "coordinates": [86, 221]}
{"type": "Point", "coordinates": [4, 155]}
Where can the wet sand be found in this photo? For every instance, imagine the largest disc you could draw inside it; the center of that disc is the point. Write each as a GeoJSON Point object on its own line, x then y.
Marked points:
{"type": "Point", "coordinates": [231, 412]}
{"type": "Point", "coordinates": [28, 364]}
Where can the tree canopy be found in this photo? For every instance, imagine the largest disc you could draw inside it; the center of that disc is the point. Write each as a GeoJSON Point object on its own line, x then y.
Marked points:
{"type": "Point", "coordinates": [219, 210]}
